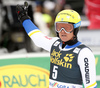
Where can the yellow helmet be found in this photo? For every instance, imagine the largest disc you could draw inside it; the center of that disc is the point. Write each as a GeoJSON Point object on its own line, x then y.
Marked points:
{"type": "Point", "coordinates": [70, 16]}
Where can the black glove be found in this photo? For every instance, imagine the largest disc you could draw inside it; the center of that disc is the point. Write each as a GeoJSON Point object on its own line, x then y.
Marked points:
{"type": "Point", "coordinates": [22, 12]}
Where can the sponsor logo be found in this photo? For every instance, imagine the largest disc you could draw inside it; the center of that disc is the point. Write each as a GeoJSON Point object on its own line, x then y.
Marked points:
{"type": "Point", "coordinates": [77, 24]}
{"type": "Point", "coordinates": [56, 85]}
{"type": "Point", "coordinates": [47, 37]}
{"type": "Point", "coordinates": [76, 50]}
{"type": "Point", "coordinates": [62, 85]}
{"type": "Point", "coordinates": [62, 19]}
{"type": "Point", "coordinates": [73, 87]}
{"type": "Point", "coordinates": [87, 70]}
{"type": "Point", "coordinates": [64, 62]}
{"type": "Point", "coordinates": [56, 43]}
{"type": "Point", "coordinates": [23, 76]}
{"type": "Point", "coordinates": [66, 14]}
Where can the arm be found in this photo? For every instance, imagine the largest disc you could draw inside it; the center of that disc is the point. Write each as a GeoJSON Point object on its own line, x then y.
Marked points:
{"type": "Point", "coordinates": [38, 38]}
{"type": "Point", "coordinates": [34, 33]}
{"type": "Point", "coordinates": [86, 61]}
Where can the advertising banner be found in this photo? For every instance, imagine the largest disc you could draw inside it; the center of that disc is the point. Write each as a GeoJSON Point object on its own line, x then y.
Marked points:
{"type": "Point", "coordinates": [24, 71]}
{"type": "Point", "coordinates": [85, 36]}
{"type": "Point", "coordinates": [97, 60]}
{"type": "Point", "coordinates": [29, 70]}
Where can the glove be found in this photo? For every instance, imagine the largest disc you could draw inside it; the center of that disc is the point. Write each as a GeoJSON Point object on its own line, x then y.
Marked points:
{"type": "Point", "coordinates": [22, 12]}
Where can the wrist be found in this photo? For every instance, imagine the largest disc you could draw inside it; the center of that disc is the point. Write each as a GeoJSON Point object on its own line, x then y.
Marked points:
{"type": "Point", "coordinates": [24, 18]}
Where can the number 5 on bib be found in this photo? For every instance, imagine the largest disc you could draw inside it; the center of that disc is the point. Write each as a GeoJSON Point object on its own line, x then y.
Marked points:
{"type": "Point", "coordinates": [55, 72]}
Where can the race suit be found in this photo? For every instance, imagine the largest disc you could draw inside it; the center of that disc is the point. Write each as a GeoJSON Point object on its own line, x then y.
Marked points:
{"type": "Point", "coordinates": [71, 66]}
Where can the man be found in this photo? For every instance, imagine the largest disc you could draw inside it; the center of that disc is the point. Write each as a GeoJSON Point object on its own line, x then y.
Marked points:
{"type": "Point", "coordinates": [72, 63]}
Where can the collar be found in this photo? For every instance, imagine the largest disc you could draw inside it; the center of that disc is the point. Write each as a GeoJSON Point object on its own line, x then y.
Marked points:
{"type": "Point", "coordinates": [71, 46]}
{"type": "Point", "coordinates": [69, 43]}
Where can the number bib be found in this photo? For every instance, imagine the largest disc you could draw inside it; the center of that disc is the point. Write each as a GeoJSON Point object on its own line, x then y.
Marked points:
{"type": "Point", "coordinates": [63, 64]}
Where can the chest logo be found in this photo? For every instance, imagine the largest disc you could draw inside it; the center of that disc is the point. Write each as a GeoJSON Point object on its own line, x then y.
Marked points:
{"type": "Point", "coordinates": [56, 43]}
{"type": "Point", "coordinates": [76, 50]}
{"type": "Point", "coordinates": [68, 57]}
{"type": "Point", "coordinates": [65, 61]}
{"type": "Point", "coordinates": [56, 54]}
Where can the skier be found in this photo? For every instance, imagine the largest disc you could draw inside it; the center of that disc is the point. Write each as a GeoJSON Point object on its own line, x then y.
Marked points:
{"type": "Point", "coordinates": [72, 64]}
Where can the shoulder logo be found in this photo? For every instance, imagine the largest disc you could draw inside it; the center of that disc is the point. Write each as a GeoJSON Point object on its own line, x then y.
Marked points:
{"type": "Point", "coordinates": [76, 50]}
{"type": "Point", "coordinates": [56, 43]}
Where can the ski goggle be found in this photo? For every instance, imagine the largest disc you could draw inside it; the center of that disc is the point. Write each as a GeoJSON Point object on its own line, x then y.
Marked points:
{"type": "Point", "coordinates": [67, 27]}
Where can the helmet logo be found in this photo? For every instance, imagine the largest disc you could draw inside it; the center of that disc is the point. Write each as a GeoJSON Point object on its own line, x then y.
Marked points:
{"type": "Point", "coordinates": [62, 19]}
{"type": "Point", "coordinates": [58, 16]}
{"type": "Point", "coordinates": [73, 17]}
{"type": "Point", "coordinates": [68, 17]}
{"type": "Point", "coordinates": [77, 24]}
{"type": "Point", "coordinates": [78, 17]}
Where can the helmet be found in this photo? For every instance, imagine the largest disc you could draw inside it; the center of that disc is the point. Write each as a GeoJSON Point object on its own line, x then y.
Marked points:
{"type": "Point", "coordinates": [69, 16]}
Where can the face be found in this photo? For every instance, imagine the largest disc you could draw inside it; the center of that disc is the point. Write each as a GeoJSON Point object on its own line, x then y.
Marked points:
{"type": "Point", "coordinates": [65, 31]}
